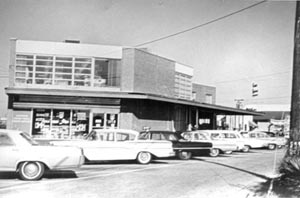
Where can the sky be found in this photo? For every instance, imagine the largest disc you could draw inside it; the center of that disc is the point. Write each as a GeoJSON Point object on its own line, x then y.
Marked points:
{"type": "Point", "coordinates": [254, 45]}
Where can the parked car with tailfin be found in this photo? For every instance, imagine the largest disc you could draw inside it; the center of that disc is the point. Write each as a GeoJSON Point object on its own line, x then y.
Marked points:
{"type": "Point", "coordinates": [120, 144]}
{"type": "Point", "coordinates": [259, 139]}
{"type": "Point", "coordinates": [218, 145]}
{"type": "Point", "coordinates": [184, 149]}
{"type": "Point", "coordinates": [22, 154]}
{"type": "Point", "coordinates": [232, 137]}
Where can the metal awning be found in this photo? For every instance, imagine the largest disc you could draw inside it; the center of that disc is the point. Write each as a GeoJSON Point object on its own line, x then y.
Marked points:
{"type": "Point", "coordinates": [221, 110]}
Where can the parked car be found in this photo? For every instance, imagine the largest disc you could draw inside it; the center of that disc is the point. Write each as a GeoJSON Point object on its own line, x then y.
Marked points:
{"type": "Point", "coordinates": [20, 153]}
{"type": "Point", "coordinates": [120, 144]}
{"type": "Point", "coordinates": [259, 139]}
{"type": "Point", "coordinates": [232, 137]}
{"type": "Point", "coordinates": [184, 149]}
{"type": "Point", "coordinates": [219, 145]}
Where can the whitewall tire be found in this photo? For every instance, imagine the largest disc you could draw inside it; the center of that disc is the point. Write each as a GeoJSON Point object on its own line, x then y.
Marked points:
{"type": "Point", "coordinates": [184, 155]}
{"type": "Point", "coordinates": [144, 158]}
{"type": "Point", "coordinates": [214, 152]}
{"type": "Point", "coordinates": [31, 170]}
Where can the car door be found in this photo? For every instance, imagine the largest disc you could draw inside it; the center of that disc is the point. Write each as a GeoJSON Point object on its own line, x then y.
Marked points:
{"type": "Point", "coordinates": [256, 142]}
{"type": "Point", "coordinates": [239, 141]}
{"type": "Point", "coordinates": [101, 147]}
{"type": "Point", "coordinates": [110, 145]}
{"type": "Point", "coordinates": [224, 144]}
{"type": "Point", "coordinates": [125, 146]}
{"type": "Point", "coordinates": [9, 153]}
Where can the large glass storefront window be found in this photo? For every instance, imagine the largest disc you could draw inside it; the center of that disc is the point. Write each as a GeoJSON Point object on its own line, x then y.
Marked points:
{"type": "Point", "coordinates": [67, 71]}
{"type": "Point", "coordinates": [98, 121]}
{"type": "Point", "coordinates": [105, 120]}
{"type": "Point", "coordinates": [106, 73]}
{"type": "Point", "coordinates": [60, 124]}
{"type": "Point", "coordinates": [69, 124]}
{"type": "Point", "coordinates": [111, 120]}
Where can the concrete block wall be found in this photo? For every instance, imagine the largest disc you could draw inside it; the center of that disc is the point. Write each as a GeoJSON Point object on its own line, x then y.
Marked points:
{"type": "Point", "coordinates": [127, 70]}
{"type": "Point", "coordinates": [201, 92]}
{"type": "Point", "coordinates": [147, 73]}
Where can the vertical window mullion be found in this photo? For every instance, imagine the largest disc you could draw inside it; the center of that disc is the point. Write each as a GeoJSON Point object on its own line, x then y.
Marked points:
{"type": "Point", "coordinates": [92, 72]}
{"type": "Point", "coordinates": [73, 71]}
{"type": "Point", "coordinates": [51, 118]}
{"type": "Point", "coordinates": [33, 69]}
{"type": "Point", "coordinates": [70, 124]}
{"type": "Point", "coordinates": [105, 120]}
{"type": "Point", "coordinates": [53, 71]}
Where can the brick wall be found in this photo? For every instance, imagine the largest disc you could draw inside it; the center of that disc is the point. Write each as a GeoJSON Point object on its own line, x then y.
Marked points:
{"type": "Point", "coordinates": [147, 73]}
{"type": "Point", "coordinates": [201, 92]}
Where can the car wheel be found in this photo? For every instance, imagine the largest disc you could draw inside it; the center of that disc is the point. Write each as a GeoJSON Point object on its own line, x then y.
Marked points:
{"type": "Point", "coordinates": [31, 170]}
{"type": "Point", "coordinates": [144, 158]}
{"type": "Point", "coordinates": [184, 155]}
{"type": "Point", "coordinates": [271, 146]}
{"type": "Point", "coordinates": [214, 152]}
{"type": "Point", "coordinates": [246, 148]}
{"type": "Point", "coordinates": [228, 152]}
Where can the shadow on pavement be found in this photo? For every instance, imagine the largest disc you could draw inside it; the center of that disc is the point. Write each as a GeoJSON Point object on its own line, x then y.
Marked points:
{"type": "Point", "coordinates": [54, 174]}
{"type": "Point", "coordinates": [285, 187]}
{"type": "Point", "coordinates": [118, 162]}
{"type": "Point", "coordinates": [235, 168]}
{"type": "Point", "coordinates": [9, 175]}
{"type": "Point", "coordinates": [48, 174]}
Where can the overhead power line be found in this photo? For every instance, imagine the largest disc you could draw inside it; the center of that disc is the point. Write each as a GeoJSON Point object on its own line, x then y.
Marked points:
{"type": "Point", "coordinates": [256, 99]}
{"type": "Point", "coordinates": [203, 24]}
{"type": "Point", "coordinates": [254, 77]}
{"type": "Point", "coordinates": [195, 27]}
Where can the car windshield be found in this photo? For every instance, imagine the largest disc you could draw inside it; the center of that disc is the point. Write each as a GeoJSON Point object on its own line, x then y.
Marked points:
{"type": "Point", "coordinates": [187, 136]}
{"type": "Point", "coordinates": [158, 136]}
{"type": "Point", "coordinates": [29, 139]}
{"type": "Point", "coordinates": [171, 137]}
{"type": "Point", "coordinates": [144, 136]}
{"type": "Point", "coordinates": [216, 136]}
{"type": "Point", "coordinates": [201, 136]}
{"type": "Point", "coordinates": [101, 136]}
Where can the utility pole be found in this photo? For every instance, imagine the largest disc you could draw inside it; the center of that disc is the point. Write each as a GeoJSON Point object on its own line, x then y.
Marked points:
{"type": "Point", "coordinates": [290, 164]}
{"type": "Point", "coordinates": [295, 106]}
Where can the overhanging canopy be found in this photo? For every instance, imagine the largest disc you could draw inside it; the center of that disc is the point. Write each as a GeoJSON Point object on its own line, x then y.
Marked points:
{"type": "Point", "coordinates": [129, 95]}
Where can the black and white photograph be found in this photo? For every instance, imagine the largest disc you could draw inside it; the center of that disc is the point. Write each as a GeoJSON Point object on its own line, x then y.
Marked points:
{"type": "Point", "coordinates": [149, 99]}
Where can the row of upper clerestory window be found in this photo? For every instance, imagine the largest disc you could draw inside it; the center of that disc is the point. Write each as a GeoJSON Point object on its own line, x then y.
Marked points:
{"type": "Point", "coordinates": [66, 71]}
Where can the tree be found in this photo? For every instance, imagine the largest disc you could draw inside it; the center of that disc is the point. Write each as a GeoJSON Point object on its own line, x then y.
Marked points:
{"type": "Point", "coordinates": [291, 161]}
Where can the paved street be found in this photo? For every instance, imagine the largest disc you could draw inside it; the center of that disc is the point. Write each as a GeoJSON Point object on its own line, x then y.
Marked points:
{"type": "Point", "coordinates": [235, 175]}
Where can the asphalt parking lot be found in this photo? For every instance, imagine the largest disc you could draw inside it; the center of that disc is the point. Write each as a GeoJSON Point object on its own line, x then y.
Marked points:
{"type": "Point", "coordinates": [235, 175]}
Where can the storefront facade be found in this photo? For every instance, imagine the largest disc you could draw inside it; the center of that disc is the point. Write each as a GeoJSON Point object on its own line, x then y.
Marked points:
{"type": "Point", "coordinates": [64, 90]}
